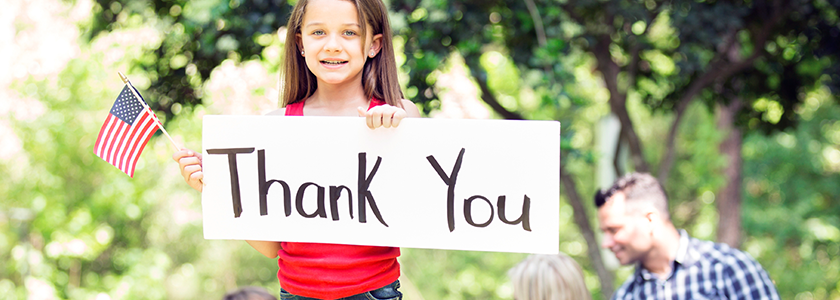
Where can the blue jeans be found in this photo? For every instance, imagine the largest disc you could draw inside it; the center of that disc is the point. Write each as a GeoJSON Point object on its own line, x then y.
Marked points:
{"type": "Point", "coordinates": [388, 292]}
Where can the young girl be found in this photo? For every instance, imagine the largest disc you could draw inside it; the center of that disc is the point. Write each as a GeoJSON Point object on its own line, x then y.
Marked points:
{"type": "Point", "coordinates": [339, 62]}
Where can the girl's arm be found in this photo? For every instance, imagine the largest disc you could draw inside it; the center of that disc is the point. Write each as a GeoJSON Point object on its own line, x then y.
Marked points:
{"type": "Point", "coordinates": [191, 169]}
{"type": "Point", "coordinates": [269, 249]}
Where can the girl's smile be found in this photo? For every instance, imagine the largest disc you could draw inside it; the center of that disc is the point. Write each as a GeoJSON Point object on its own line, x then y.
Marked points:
{"type": "Point", "coordinates": [333, 64]}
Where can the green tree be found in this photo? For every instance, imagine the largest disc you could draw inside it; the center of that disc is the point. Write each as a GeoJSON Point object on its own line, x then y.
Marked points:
{"type": "Point", "coordinates": [791, 199]}
{"type": "Point", "coordinates": [668, 54]}
{"type": "Point", "coordinates": [75, 225]}
{"type": "Point", "coordinates": [198, 36]}
{"type": "Point", "coordinates": [71, 225]}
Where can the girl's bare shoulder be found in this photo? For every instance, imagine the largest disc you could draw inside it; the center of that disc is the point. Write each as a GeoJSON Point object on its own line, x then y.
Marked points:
{"type": "Point", "coordinates": [410, 108]}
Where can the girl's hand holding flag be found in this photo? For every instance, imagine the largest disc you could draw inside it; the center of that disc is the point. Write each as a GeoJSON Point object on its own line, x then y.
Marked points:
{"type": "Point", "coordinates": [190, 165]}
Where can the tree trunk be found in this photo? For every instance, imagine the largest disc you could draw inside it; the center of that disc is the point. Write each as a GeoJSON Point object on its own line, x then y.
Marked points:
{"type": "Point", "coordinates": [592, 246]}
{"type": "Point", "coordinates": [480, 76]}
{"type": "Point", "coordinates": [729, 197]}
{"type": "Point", "coordinates": [618, 102]}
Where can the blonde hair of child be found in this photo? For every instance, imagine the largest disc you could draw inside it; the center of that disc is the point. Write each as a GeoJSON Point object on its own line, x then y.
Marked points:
{"type": "Point", "coordinates": [548, 277]}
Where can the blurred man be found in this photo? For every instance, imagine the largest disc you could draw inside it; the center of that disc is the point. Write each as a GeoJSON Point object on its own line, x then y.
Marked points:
{"type": "Point", "coordinates": [637, 228]}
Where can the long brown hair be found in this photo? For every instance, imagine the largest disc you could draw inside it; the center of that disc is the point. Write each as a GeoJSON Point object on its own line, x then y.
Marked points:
{"type": "Point", "coordinates": [379, 75]}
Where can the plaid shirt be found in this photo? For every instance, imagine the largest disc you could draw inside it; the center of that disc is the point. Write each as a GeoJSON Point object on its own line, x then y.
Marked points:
{"type": "Point", "coordinates": [702, 270]}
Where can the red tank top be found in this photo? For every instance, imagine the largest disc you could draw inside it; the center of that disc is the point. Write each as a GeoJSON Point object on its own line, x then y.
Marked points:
{"type": "Point", "coordinates": [330, 271]}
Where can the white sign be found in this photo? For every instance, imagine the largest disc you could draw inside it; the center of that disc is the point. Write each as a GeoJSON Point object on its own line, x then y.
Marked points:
{"type": "Point", "coordinates": [487, 185]}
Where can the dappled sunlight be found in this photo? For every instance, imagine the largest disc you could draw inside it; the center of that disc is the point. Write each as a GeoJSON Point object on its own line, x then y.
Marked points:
{"type": "Point", "coordinates": [39, 289]}
{"type": "Point", "coordinates": [831, 156]}
{"type": "Point", "coordinates": [112, 46]}
{"type": "Point", "coordinates": [459, 97]}
{"type": "Point", "coordinates": [12, 145]}
{"type": "Point", "coordinates": [241, 89]}
{"type": "Point", "coordinates": [23, 107]}
{"type": "Point", "coordinates": [183, 210]}
{"type": "Point", "coordinates": [40, 37]}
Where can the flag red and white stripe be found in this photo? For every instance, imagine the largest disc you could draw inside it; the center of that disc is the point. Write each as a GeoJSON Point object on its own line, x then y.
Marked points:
{"type": "Point", "coordinates": [126, 130]}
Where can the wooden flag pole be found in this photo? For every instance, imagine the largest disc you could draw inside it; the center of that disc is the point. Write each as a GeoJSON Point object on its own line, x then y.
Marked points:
{"type": "Point", "coordinates": [157, 121]}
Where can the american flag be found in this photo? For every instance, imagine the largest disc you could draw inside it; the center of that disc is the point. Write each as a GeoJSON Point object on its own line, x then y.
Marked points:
{"type": "Point", "coordinates": [126, 131]}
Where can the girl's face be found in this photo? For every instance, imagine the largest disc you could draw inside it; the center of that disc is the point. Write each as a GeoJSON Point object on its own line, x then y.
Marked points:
{"type": "Point", "coordinates": [331, 38]}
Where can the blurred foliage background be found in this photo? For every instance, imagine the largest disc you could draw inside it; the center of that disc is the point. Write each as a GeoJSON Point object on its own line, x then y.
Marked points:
{"type": "Point", "coordinates": [730, 103]}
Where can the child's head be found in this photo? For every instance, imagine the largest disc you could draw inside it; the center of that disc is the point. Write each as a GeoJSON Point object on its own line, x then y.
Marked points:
{"type": "Point", "coordinates": [544, 277]}
{"type": "Point", "coordinates": [365, 50]}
